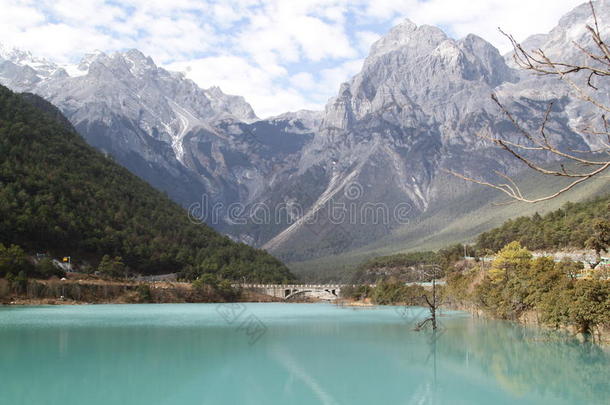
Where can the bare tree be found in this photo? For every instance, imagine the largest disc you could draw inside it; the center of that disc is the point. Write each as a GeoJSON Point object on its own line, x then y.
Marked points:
{"type": "Point", "coordinates": [431, 272]}
{"type": "Point", "coordinates": [588, 164]}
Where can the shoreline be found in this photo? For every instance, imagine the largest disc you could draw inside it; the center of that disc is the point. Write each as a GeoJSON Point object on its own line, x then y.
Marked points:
{"type": "Point", "coordinates": [99, 292]}
{"type": "Point", "coordinates": [531, 319]}
{"type": "Point", "coordinates": [106, 292]}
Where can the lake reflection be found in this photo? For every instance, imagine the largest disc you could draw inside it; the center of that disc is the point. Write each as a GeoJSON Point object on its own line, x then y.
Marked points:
{"type": "Point", "coordinates": [285, 354]}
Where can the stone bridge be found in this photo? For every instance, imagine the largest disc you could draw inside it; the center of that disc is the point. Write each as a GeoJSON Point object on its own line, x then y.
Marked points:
{"type": "Point", "coordinates": [327, 292]}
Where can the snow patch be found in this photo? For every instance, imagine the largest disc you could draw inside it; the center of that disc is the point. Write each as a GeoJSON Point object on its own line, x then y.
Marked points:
{"type": "Point", "coordinates": [187, 121]}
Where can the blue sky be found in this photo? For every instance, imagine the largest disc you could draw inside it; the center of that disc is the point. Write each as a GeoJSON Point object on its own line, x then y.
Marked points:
{"type": "Point", "coordinates": [281, 55]}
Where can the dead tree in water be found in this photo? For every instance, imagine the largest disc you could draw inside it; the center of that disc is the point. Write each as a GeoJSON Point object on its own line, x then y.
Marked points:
{"type": "Point", "coordinates": [433, 305]}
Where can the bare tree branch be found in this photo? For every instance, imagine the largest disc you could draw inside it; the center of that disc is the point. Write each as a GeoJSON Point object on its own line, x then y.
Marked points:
{"type": "Point", "coordinates": [539, 145]}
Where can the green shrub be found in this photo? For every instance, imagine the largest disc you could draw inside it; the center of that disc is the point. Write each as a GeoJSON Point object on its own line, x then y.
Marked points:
{"type": "Point", "coordinates": [14, 260]}
{"type": "Point", "coordinates": [112, 268]}
{"type": "Point", "coordinates": [395, 292]}
{"type": "Point", "coordinates": [358, 292]}
{"type": "Point", "coordinates": [144, 293]}
{"type": "Point", "coordinates": [47, 269]}
{"type": "Point", "coordinates": [20, 282]}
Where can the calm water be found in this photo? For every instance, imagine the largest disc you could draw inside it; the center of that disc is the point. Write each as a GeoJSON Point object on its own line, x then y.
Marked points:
{"type": "Point", "coordinates": [284, 354]}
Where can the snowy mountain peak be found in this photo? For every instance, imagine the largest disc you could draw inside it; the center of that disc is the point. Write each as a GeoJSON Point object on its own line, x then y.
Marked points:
{"type": "Point", "coordinates": [43, 67]}
{"type": "Point", "coordinates": [139, 64]}
{"type": "Point", "coordinates": [407, 34]}
{"type": "Point", "coordinates": [16, 55]}
{"type": "Point", "coordinates": [85, 62]}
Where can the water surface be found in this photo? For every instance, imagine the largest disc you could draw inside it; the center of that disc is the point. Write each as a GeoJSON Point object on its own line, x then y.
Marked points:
{"type": "Point", "coordinates": [285, 354]}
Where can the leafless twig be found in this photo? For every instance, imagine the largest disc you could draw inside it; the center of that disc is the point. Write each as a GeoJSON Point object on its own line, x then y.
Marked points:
{"type": "Point", "coordinates": [539, 145]}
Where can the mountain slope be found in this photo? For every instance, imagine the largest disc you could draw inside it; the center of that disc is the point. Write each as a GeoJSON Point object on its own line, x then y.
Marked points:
{"type": "Point", "coordinates": [459, 220]}
{"type": "Point", "coordinates": [59, 194]}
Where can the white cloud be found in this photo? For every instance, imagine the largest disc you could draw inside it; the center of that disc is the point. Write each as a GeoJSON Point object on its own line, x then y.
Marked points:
{"type": "Point", "coordinates": [17, 15]}
{"type": "Point", "coordinates": [94, 12]}
{"type": "Point", "coordinates": [290, 32]}
{"type": "Point", "coordinates": [326, 83]}
{"type": "Point", "coordinates": [303, 81]}
{"type": "Point", "coordinates": [366, 39]}
{"type": "Point", "coordinates": [258, 84]}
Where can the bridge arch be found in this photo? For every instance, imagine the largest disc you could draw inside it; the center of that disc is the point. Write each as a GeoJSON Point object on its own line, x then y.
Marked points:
{"type": "Point", "coordinates": [295, 293]}
{"type": "Point", "coordinates": [327, 294]}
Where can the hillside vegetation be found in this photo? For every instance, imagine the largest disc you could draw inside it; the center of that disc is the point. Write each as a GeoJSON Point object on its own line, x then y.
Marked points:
{"type": "Point", "coordinates": [568, 227]}
{"type": "Point", "coordinates": [407, 267]}
{"type": "Point", "coordinates": [60, 195]}
{"type": "Point", "coordinates": [516, 283]}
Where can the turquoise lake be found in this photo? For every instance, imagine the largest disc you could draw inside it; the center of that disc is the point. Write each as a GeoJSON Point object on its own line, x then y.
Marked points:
{"type": "Point", "coordinates": [285, 354]}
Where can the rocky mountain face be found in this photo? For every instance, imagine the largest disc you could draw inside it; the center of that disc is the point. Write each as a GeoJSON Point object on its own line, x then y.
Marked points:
{"type": "Point", "coordinates": [413, 111]}
{"type": "Point", "coordinates": [308, 183]}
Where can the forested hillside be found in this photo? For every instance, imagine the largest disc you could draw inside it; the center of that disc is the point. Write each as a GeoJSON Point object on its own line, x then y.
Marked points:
{"type": "Point", "coordinates": [406, 266]}
{"type": "Point", "coordinates": [58, 194]}
{"type": "Point", "coordinates": [569, 227]}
